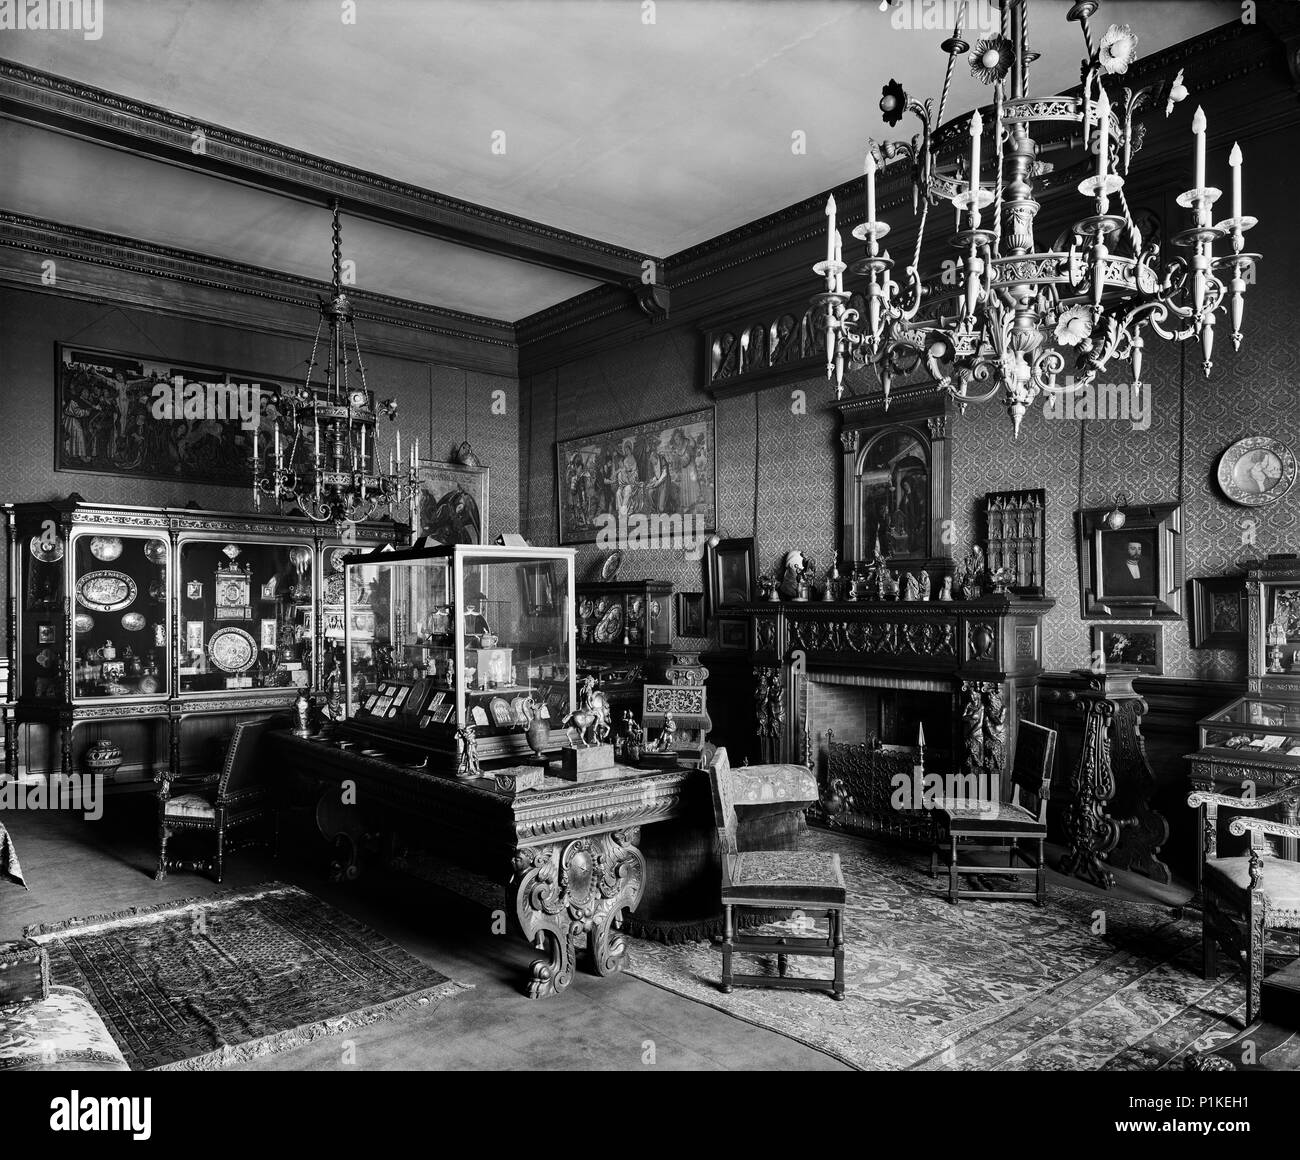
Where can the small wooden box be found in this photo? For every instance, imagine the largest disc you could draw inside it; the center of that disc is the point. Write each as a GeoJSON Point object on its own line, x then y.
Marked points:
{"type": "Point", "coordinates": [24, 972]}
{"type": "Point", "coordinates": [516, 780]}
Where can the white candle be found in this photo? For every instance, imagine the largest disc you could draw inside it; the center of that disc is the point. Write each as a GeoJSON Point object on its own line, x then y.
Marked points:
{"type": "Point", "coordinates": [871, 186]}
{"type": "Point", "coordinates": [839, 274]}
{"type": "Point", "coordinates": [920, 735]}
{"type": "Point", "coordinates": [255, 456]}
{"type": "Point", "coordinates": [830, 228]}
{"type": "Point", "coordinates": [976, 131]}
{"type": "Point", "coordinates": [277, 444]}
{"type": "Point", "coordinates": [1103, 136]}
{"type": "Point", "coordinates": [1234, 159]}
{"type": "Point", "coordinates": [416, 456]}
{"type": "Point", "coordinates": [399, 447]}
{"type": "Point", "coordinates": [1198, 127]}
{"type": "Point", "coordinates": [363, 447]}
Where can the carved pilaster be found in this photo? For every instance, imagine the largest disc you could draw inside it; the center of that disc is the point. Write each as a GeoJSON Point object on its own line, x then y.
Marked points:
{"type": "Point", "coordinates": [1092, 834]}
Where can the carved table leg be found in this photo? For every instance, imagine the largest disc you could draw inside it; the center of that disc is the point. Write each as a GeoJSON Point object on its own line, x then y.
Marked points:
{"type": "Point", "coordinates": [567, 889]}
{"type": "Point", "coordinates": [1142, 830]}
{"type": "Point", "coordinates": [1092, 834]}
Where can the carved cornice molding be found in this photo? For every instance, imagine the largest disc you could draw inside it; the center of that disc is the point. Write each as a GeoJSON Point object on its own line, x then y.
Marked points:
{"type": "Point", "coordinates": [131, 256]}
{"type": "Point", "coordinates": [108, 118]}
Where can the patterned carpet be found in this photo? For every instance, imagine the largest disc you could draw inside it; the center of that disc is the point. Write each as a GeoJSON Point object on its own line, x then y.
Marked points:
{"type": "Point", "coordinates": [206, 983]}
{"type": "Point", "coordinates": [980, 985]}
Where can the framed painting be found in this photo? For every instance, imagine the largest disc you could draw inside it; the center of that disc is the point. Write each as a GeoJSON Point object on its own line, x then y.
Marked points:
{"type": "Point", "coordinates": [1218, 612]}
{"type": "Point", "coordinates": [1134, 570]}
{"type": "Point", "coordinates": [140, 415]}
{"type": "Point", "coordinates": [1139, 646]}
{"type": "Point", "coordinates": [449, 504]}
{"type": "Point", "coordinates": [733, 633]}
{"type": "Point", "coordinates": [729, 575]}
{"type": "Point", "coordinates": [652, 485]}
{"type": "Point", "coordinates": [690, 613]}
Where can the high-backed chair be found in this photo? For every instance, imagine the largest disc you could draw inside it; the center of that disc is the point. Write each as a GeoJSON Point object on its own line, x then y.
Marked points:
{"type": "Point", "coordinates": [1012, 822]}
{"type": "Point", "coordinates": [802, 883]}
{"type": "Point", "coordinates": [1246, 897]}
{"type": "Point", "coordinates": [234, 800]}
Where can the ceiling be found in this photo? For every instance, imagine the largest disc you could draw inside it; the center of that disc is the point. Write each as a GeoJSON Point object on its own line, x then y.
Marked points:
{"type": "Point", "coordinates": [653, 137]}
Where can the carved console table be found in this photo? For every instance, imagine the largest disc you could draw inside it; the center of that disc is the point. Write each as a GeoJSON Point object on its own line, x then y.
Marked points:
{"type": "Point", "coordinates": [566, 853]}
{"type": "Point", "coordinates": [984, 654]}
{"type": "Point", "coordinates": [1110, 818]}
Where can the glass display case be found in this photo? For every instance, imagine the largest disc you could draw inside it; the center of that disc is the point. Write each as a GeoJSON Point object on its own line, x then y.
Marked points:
{"type": "Point", "coordinates": [439, 639]}
{"type": "Point", "coordinates": [128, 621]}
{"type": "Point", "coordinates": [624, 619]}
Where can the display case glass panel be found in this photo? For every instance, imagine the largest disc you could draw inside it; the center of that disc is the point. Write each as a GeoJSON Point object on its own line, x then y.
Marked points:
{"type": "Point", "coordinates": [119, 616]}
{"type": "Point", "coordinates": [460, 635]}
{"type": "Point", "coordinates": [1255, 725]}
{"type": "Point", "coordinates": [243, 606]}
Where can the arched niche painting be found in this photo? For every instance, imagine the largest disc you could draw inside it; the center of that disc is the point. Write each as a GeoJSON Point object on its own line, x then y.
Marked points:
{"type": "Point", "coordinates": [893, 495]}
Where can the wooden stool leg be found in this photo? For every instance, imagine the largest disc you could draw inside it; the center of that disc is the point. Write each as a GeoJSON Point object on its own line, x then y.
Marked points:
{"type": "Point", "coordinates": [934, 859]}
{"type": "Point", "coordinates": [1041, 882]}
{"type": "Point", "coordinates": [837, 927]}
{"type": "Point", "coordinates": [952, 872]}
{"type": "Point", "coordinates": [728, 938]}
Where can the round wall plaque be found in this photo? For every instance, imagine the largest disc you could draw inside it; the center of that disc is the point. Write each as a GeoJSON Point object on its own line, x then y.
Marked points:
{"type": "Point", "coordinates": [1257, 470]}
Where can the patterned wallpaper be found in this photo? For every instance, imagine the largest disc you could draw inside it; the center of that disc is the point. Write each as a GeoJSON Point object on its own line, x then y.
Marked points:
{"type": "Point", "coordinates": [1255, 391]}
{"type": "Point", "coordinates": [431, 400]}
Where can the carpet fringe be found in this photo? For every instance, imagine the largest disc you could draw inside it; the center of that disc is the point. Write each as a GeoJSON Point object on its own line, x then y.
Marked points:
{"type": "Point", "coordinates": [44, 930]}
{"type": "Point", "coordinates": [227, 1057]}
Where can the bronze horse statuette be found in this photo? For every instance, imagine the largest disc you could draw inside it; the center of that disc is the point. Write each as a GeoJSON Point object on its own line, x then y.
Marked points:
{"type": "Point", "coordinates": [590, 720]}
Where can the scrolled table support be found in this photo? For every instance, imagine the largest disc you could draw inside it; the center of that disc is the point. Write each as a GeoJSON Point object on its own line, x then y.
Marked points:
{"type": "Point", "coordinates": [1092, 834]}
{"type": "Point", "coordinates": [564, 890]}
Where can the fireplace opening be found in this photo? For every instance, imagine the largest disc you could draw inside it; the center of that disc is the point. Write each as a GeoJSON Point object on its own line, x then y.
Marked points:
{"type": "Point", "coordinates": [858, 710]}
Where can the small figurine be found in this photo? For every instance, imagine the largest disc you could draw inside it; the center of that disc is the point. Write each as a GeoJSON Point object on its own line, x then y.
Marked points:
{"type": "Point", "coordinates": [633, 737]}
{"type": "Point", "coordinates": [767, 589]}
{"type": "Point", "coordinates": [666, 741]}
{"type": "Point", "coordinates": [469, 766]}
{"type": "Point", "coordinates": [794, 585]}
{"type": "Point", "coordinates": [911, 590]}
{"type": "Point", "coordinates": [925, 584]}
{"type": "Point", "coordinates": [945, 590]}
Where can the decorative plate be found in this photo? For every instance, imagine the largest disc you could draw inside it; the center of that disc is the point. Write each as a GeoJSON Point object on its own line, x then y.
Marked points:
{"type": "Point", "coordinates": [106, 590]}
{"type": "Point", "coordinates": [155, 551]}
{"type": "Point", "coordinates": [338, 556]}
{"type": "Point", "coordinates": [610, 628]}
{"type": "Point", "coordinates": [609, 569]}
{"type": "Point", "coordinates": [232, 650]}
{"type": "Point", "coordinates": [148, 685]}
{"type": "Point", "coordinates": [133, 621]}
{"type": "Point", "coordinates": [45, 658]}
{"type": "Point", "coordinates": [47, 551]}
{"type": "Point", "coordinates": [1257, 470]}
{"type": "Point", "coordinates": [586, 608]}
{"type": "Point", "coordinates": [106, 548]}
{"type": "Point", "coordinates": [83, 622]}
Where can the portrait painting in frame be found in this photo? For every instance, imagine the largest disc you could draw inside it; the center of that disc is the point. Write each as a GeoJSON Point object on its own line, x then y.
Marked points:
{"type": "Point", "coordinates": [651, 485]}
{"type": "Point", "coordinates": [1131, 567]}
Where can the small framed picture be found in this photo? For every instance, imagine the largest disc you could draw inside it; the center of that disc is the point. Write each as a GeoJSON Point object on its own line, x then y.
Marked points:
{"type": "Point", "coordinates": [729, 575]}
{"type": "Point", "coordinates": [194, 636]}
{"type": "Point", "coordinates": [45, 634]}
{"type": "Point", "coordinates": [479, 716]}
{"type": "Point", "coordinates": [733, 633]}
{"type": "Point", "coordinates": [194, 590]}
{"type": "Point", "coordinates": [268, 589]}
{"type": "Point", "coordinates": [268, 634]}
{"type": "Point", "coordinates": [1139, 646]}
{"type": "Point", "coordinates": [690, 613]}
{"type": "Point", "coordinates": [1218, 612]}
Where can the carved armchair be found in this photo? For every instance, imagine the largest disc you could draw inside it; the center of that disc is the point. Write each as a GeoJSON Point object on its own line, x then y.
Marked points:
{"type": "Point", "coordinates": [802, 883]}
{"type": "Point", "coordinates": [235, 798]}
{"type": "Point", "coordinates": [1245, 898]}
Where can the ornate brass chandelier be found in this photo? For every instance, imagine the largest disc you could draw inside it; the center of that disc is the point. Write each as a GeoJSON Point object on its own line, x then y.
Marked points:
{"type": "Point", "coordinates": [330, 467]}
{"type": "Point", "coordinates": [1004, 316]}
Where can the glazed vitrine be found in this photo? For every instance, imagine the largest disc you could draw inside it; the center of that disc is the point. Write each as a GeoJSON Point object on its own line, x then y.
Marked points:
{"type": "Point", "coordinates": [1254, 741]}
{"type": "Point", "coordinates": [126, 622]}
{"type": "Point", "coordinates": [437, 640]}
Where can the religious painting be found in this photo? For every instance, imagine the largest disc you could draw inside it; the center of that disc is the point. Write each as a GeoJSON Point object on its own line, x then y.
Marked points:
{"type": "Point", "coordinates": [156, 418]}
{"type": "Point", "coordinates": [449, 505]}
{"type": "Point", "coordinates": [894, 495]}
{"type": "Point", "coordinates": [1218, 610]}
{"type": "Point", "coordinates": [652, 485]}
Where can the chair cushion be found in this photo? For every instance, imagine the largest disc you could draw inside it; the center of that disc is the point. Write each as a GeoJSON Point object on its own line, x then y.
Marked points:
{"type": "Point", "coordinates": [791, 876]}
{"type": "Point", "coordinates": [190, 805]}
{"type": "Point", "coordinates": [1279, 880]}
{"type": "Point", "coordinates": [993, 816]}
{"type": "Point", "coordinates": [62, 1032]}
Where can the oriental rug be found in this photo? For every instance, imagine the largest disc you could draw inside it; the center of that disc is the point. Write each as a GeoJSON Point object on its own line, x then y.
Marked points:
{"type": "Point", "coordinates": [1084, 983]}
{"type": "Point", "coordinates": [205, 983]}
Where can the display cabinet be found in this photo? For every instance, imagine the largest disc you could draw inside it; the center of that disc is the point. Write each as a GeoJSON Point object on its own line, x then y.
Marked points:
{"type": "Point", "coordinates": [1254, 742]}
{"type": "Point", "coordinates": [439, 640]}
{"type": "Point", "coordinates": [624, 634]}
{"type": "Point", "coordinates": [128, 622]}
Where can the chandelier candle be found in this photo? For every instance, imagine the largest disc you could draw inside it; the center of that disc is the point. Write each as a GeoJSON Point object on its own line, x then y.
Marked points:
{"type": "Point", "coordinates": [830, 228]}
{"type": "Point", "coordinates": [1198, 127]}
{"type": "Point", "coordinates": [871, 186]}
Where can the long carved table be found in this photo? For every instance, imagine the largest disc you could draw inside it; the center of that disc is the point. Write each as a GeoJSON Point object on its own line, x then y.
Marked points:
{"type": "Point", "coordinates": [567, 851]}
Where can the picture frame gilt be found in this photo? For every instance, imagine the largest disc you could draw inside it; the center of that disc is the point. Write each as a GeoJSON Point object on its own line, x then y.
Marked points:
{"type": "Point", "coordinates": [654, 481]}
{"type": "Point", "coordinates": [730, 571]}
{"type": "Point", "coordinates": [1218, 612]}
{"type": "Point", "coordinates": [1139, 646]}
{"type": "Point", "coordinates": [1135, 570]}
